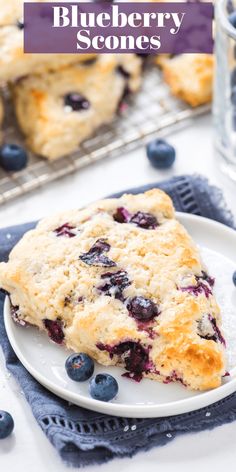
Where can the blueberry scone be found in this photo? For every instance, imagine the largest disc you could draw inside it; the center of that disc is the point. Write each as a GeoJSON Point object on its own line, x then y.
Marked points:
{"type": "Point", "coordinates": [14, 63]}
{"type": "Point", "coordinates": [59, 110]}
{"type": "Point", "coordinates": [122, 281]}
{"type": "Point", "coordinates": [190, 76]}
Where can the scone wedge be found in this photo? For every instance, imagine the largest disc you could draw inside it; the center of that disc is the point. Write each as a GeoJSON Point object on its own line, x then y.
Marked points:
{"type": "Point", "coordinates": [122, 281]}
{"type": "Point", "coordinates": [190, 76]}
{"type": "Point", "coordinates": [59, 110]}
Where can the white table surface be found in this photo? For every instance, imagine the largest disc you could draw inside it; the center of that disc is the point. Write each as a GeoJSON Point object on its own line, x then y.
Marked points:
{"type": "Point", "coordinates": [28, 449]}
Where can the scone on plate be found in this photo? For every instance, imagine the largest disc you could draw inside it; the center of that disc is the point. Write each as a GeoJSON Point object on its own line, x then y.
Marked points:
{"type": "Point", "coordinates": [190, 76]}
{"type": "Point", "coordinates": [59, 110]}
{"type": "Point", "coordinates": [122, 281]}
{"type": "Point", "coordinates": [14, 63]}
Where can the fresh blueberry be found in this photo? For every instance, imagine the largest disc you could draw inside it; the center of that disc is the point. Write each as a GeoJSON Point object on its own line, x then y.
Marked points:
{"type": "Point", "coordinates": [234, 278]}
{"type": "Point", "coordinates": [6, 424]}
{"type": "Point", "coordinates": [206, 277]}
{"type": "Point", "coordinates": [79, 367]}
{"type": "Point", "coordinates": [160, 154]}
{"type": "Point", "coordinates": [142, 308]}
{"type": "Point", "coordinates": [232, 18]}
{"type": "Point", "coordinates": [103, 387]}
{"type": "Point", "coordinates": [76, 101]}
{"type": "Point", "coordinates": [13, 157]}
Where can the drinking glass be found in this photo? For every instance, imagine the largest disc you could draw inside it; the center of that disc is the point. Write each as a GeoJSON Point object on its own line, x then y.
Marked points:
{"type": "Point", "coordinates": [224, 104]}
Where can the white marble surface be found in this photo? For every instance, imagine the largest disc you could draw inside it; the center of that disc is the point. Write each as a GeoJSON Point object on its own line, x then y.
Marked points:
{"type": "Point", "coordinates": [28, 449]}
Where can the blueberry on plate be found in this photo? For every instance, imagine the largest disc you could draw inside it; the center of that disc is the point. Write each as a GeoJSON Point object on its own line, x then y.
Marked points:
{"type": "Point", "coordinates": [6, 424]}
{"type": "Point", "coordinates": [161, 154]}
{"type": "Point", "coordinates": [13, 157]}
{"type": "Point", "coordinates": [234, 278]}
{"type": "Point", "coordinates": [79, 367]}
{"type": "Point", "coordinates": [232, 18]}
{"type": "Point", "coordinates": [103, 387]}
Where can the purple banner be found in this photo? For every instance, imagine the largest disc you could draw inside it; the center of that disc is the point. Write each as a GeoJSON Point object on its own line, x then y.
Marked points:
{"type": "Point", "coordinates": [144, 28]}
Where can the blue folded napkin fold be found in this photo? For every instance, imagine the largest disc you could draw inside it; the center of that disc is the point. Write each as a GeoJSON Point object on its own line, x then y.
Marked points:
{"type": "Point", "coordinates": [85, 437]}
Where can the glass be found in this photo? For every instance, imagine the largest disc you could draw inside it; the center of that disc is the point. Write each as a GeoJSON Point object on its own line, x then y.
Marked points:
{"type": "Point", "coordinates": [224, 106]}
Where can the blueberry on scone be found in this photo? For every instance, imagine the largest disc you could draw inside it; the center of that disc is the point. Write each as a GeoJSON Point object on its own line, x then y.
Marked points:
{"type": "Point", "coordinates": [59, 110]}
{"type": "Point", "coordinates": [123, 282]}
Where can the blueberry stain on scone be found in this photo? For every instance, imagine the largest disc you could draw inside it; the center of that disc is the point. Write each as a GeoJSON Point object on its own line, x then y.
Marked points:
{"type": "Point", "coordinates": [114, 284]}
{"type": "Point", "coordinates": [95, 256]}
{"type": "Point", "coordinates": [134, 357]}
{"type": "Point", "coordinates": [140, 219]}
{"type": "Point", "coordinates": [129, 290]}
{"type": "Point", "coordinates": [204, 285]}
{"type": "Point", "coordinates": [15, 314]}
{"type": "Point", "coordinates": [55, 330]}
{"type": "Point", "coordinates": [198, 289]}
{"type": "Point", "coordinates": [66, 230]}
{"type": "Point", "coordinates": [208, 329]}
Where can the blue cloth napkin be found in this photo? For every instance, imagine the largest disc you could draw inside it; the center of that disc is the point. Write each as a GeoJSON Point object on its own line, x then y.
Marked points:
{"type": "Point", "coordinates": [85, 437]}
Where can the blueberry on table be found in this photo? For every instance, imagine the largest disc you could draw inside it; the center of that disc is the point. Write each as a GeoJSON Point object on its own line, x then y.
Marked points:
{"type": "Point", "coordinates": [234, 278]}
{"type": "Point", "coordinates": [232, 18]}
{"type": "Point", "coordinates": [13, 157]}
{"type": "Point", "coordinates": [6, 424]}
{"type": "Point", "coordinates": [103, 387]}
{"type": "Point", "coordinates": [79, 367]}
{"type": "Point", "coordinates": [161, 154]}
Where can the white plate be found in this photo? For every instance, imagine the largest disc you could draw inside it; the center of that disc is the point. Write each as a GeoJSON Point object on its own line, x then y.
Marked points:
{"type": "Point", "coordinates": [45, 360]}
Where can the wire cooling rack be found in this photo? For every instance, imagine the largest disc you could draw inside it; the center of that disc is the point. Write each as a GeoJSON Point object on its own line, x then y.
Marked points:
{"type": "Point", "coordinates": [153, 110]}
